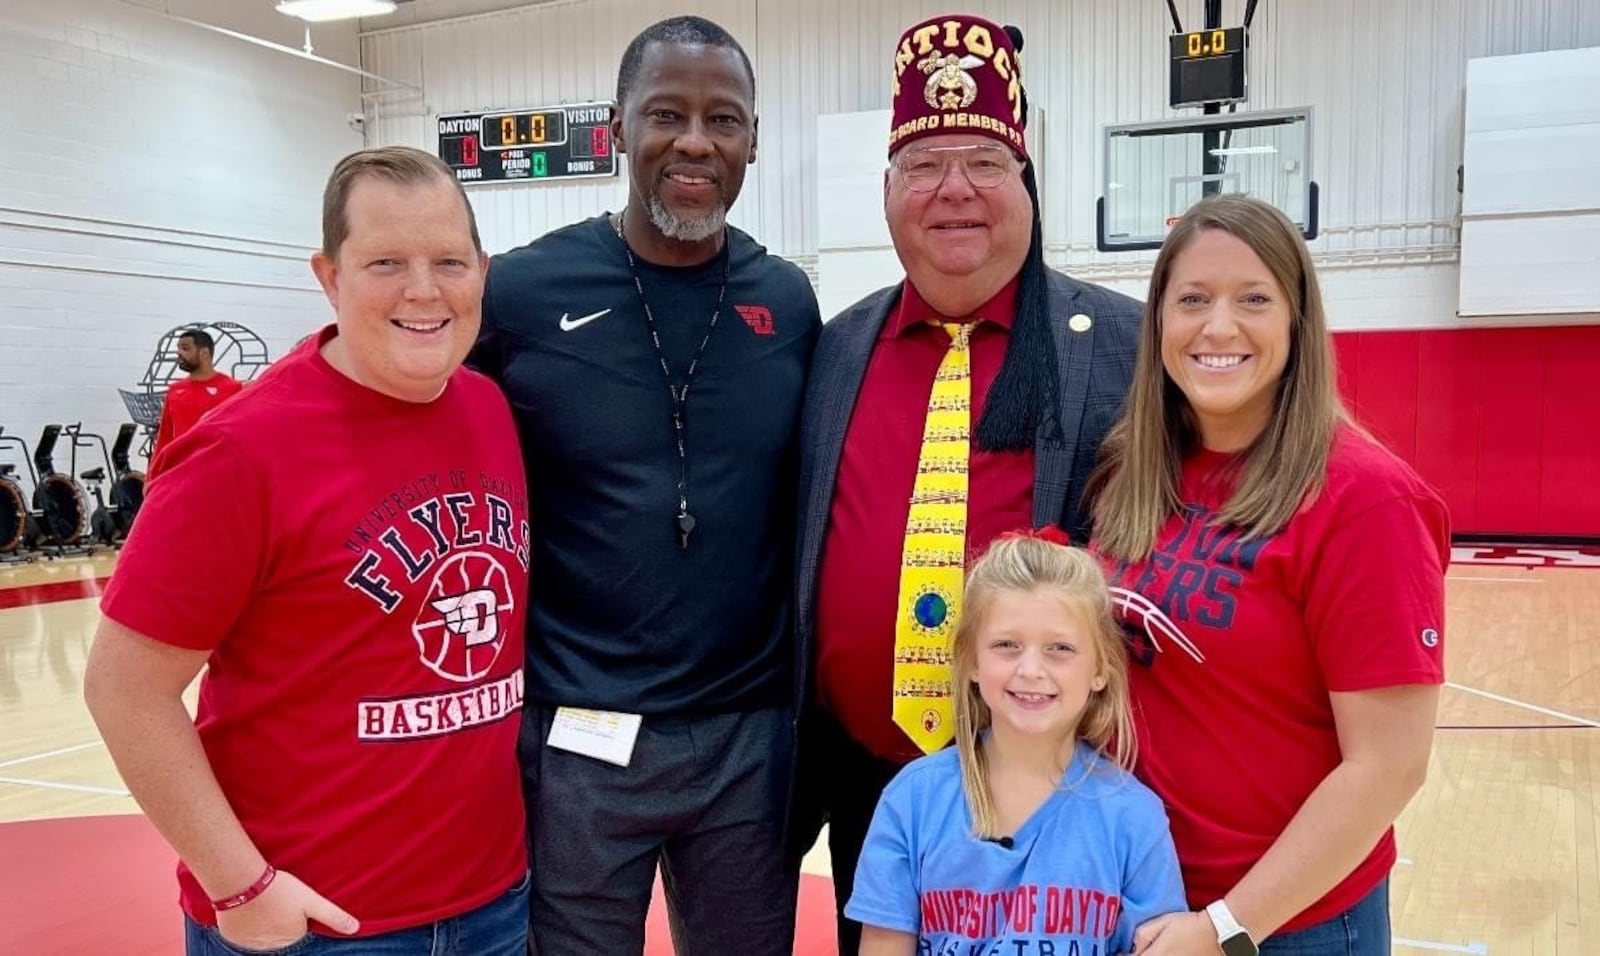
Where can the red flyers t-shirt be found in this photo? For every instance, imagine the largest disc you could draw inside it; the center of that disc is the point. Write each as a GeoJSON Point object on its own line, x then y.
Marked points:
{"type": "Point", "coordinates": [357, 567]}
{"type": "Point", "coordinates": [1349, 596]}
{"type": "Point", "coordinates": [187, 400]}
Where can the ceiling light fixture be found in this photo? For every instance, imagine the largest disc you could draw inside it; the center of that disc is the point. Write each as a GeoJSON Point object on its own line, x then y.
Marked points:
{"type": "Point", "coordinates": [1242, 150]}
{"type": "Point", "coordinates": [321, 11]}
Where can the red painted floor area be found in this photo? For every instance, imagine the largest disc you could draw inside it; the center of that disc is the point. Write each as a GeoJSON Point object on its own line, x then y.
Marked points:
{"type": "Point", "coordinates": [87, 885]}
{"type": "Point", "coordinates": [101, 885]}
{"type": "Point", "coordinates": [30, 594]}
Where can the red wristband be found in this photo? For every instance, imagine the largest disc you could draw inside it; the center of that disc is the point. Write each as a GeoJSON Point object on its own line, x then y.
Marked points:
{"type": "Point", "coordinates": [249, 893]}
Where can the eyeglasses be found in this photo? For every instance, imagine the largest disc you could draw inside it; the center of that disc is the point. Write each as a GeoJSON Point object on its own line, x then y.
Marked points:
{"type": "Point", "coordinates": [922, 168]}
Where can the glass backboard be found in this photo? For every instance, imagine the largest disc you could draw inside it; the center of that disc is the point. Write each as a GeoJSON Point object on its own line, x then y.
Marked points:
{"type": "Point", "coordinates": [1155, 171]}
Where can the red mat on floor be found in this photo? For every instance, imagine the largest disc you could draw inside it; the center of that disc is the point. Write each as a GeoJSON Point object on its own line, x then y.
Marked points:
{"type": "Point", "coordinates": [90, 885]}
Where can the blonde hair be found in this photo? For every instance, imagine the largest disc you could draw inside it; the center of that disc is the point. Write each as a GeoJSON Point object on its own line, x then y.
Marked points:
{"type": "Point", "coordinates": [1022, 564]}
{"type": "Point", "coordinates": [1134, 489]}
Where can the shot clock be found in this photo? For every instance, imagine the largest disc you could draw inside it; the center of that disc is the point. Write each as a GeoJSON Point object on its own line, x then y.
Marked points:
{"type": "Point", "coordinates": [554, 142]}
{"type": "Point", "coordinates": [1207, 67]}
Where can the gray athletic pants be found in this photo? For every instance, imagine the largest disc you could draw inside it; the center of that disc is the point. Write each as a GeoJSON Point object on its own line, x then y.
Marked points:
{"type": "Point", "coordinates": [704, 798]}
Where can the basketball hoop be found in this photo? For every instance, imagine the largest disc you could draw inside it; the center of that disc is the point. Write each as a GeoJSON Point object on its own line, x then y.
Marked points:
{"type": "Point", "coordinates": [1154, 172]}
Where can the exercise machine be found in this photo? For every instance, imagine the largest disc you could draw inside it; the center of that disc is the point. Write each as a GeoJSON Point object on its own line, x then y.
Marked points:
{"type": "Point", "coordinates": [59, 505]}
{"type": "Point", "coordinates": [127, 491]}
{"type": "Point", "coordinates": [16, 524]}
{"type": "Point", "coordinates": [109, 523]}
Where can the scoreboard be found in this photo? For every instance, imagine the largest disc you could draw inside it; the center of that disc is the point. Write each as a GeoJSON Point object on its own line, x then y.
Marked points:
{"type": "Point", "coordinates": [1207, 66]}
{"type": "Point", "coordinates": [555, 142]}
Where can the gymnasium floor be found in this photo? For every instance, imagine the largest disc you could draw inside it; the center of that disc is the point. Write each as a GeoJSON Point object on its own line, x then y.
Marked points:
{"type": "Point", "coordinates": [1499, 853]}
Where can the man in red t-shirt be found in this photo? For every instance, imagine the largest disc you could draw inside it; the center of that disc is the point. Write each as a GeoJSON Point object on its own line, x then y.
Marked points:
{"type": "Point", "coordinates": [352, 768]}
{"type": "Point", "coordinates": [189, 398]}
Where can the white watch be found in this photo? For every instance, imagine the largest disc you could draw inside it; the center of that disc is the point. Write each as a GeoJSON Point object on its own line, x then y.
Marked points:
{"type": "Point", "coordinates": [1234, 939]}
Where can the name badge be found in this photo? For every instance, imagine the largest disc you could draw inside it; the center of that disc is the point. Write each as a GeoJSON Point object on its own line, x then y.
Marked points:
{"type": "Point", "coordinates": [601, 734]}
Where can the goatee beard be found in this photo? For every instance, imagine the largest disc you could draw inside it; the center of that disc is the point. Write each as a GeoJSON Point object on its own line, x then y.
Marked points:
{"type": "Point", "coordinates": [687, 230]}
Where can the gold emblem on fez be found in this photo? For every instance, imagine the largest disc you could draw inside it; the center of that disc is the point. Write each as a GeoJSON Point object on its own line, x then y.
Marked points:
{"type": "Point", "coordinates": [949, 74]}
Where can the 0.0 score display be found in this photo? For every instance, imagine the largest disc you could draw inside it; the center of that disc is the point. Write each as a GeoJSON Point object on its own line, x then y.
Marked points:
{"type": "Point", "coordinates": [1208, 43]}
{"type": "Point", "coordinates": [558, 142]}
{"type": "Point", "coordinates": [1207, 67]}
{"type": "Point", "coordinates": [535, 128]}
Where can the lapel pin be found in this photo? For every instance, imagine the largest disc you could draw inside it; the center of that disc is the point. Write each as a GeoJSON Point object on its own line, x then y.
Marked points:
{"type": "Point", "coordinates": [1080, 323]}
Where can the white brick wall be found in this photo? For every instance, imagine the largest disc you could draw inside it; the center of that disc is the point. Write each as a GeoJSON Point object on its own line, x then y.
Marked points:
{"type": "Point", "coordinates": [154, 174]}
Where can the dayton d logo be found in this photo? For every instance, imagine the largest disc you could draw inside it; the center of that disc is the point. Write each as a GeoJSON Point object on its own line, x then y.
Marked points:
{"type": "Point", "coordinates": [459, 629]}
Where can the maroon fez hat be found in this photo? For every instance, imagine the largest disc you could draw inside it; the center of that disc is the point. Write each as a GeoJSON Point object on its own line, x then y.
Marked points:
{"type": "Point", "coordinates": [958, 74]}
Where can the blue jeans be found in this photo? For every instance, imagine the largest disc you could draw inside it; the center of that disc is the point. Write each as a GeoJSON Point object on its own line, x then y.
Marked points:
{"type": "Point", "coordinates": [1361, 930]}
{"type": "Point", "coordinates": [497, 928]}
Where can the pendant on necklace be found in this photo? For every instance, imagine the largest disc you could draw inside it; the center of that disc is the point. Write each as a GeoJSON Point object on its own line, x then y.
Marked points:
{"type": "Point", "coordinates": [685, 526]}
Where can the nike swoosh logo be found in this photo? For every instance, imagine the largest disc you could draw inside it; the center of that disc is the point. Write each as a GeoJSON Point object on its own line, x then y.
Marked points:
{"type": "Point", "coordinates": [567, 325]}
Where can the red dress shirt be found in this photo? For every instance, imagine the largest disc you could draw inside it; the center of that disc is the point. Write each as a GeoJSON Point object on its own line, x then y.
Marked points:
{"type": "Point", "coordinates": [859, 581]}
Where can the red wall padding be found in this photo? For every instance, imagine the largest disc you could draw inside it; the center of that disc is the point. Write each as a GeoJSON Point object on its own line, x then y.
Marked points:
{"type": "Point", "coordinates": [1505, 423]}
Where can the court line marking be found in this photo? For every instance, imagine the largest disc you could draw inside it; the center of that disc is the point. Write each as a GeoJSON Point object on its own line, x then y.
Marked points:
{"type": "Point", "coordinates": [1512, 727]}
{"type": "Point", "coordinates": [50, 753]}
{"type": "Point", "coordinates": [1478, 949]}
{"type": "Point", "coordinates": [1535, 708]}
{"type": "Point", "coordinates": [1474, 577]}
{"type": "Point", "coordinates": [74, 787]}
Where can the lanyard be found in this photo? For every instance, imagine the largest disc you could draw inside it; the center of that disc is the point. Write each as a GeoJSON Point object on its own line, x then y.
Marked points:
{"type": "Point", "coordinates": [678, 393]}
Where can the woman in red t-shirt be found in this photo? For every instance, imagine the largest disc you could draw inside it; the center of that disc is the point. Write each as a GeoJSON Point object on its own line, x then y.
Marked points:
{"type": "Point", "coordinates": [1281, 577]}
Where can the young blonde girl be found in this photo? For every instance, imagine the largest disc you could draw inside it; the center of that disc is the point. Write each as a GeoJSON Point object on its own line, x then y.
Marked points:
{"type": "Point", "coordinates": [1030, 836]}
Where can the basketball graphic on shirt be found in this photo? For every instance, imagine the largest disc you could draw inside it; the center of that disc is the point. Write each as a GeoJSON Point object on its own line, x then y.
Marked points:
{"type": "Point", "coordinates": [460, 628]}
{"type": "Point", "coordinates": [1144, 625]}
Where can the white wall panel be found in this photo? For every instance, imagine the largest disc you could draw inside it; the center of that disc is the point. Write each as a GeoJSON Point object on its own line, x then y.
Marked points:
{"type": "Point", "coordinates": [152, 174]}
{"type": "Point", "coordinates": [1535, 169]}
{"type": "Point", "coordinates": [1531, 208]}
{"type": "Point", "coordinates": [850, 182]}
{"type": "Point", "coordinates": [1538, 265]}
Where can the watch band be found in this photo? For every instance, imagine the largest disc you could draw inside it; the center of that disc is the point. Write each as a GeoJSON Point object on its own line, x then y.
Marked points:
{"type": "Point", "coordinates": [1234, 939]}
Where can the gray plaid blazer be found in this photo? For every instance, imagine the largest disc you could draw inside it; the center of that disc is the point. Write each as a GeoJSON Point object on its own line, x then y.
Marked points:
{"type": "Point", "coordinates": [1096, 366]}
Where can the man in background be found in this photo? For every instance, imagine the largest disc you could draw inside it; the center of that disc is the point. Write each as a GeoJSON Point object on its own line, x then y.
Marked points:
{"type": "Point", "coordinates": [189, 398]}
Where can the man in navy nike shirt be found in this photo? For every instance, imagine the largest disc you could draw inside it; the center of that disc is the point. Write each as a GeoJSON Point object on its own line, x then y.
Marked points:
{"type": "Point", "coordinates": [655, 360]}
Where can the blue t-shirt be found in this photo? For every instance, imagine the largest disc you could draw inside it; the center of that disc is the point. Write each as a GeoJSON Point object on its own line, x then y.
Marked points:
{"type": "Point", "coordinates": [1091, 864]}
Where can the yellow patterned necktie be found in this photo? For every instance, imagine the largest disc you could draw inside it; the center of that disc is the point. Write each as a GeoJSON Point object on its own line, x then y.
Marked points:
{"type": "Point", "coordinates": [932, 563]}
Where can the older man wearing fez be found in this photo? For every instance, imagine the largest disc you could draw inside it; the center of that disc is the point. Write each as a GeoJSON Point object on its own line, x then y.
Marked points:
{"type": "Point", "coordinates": [981, 362]}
